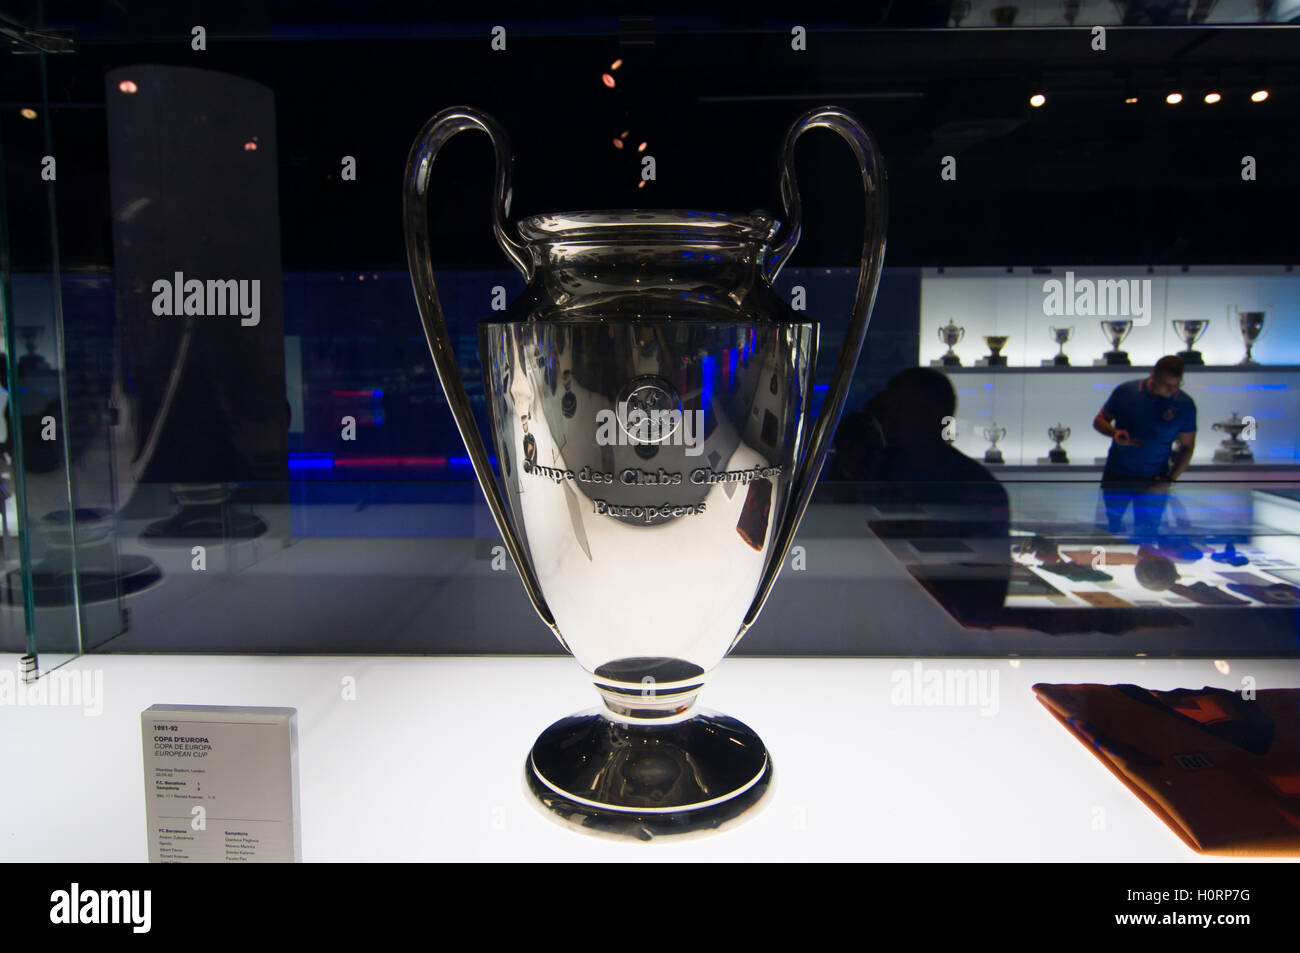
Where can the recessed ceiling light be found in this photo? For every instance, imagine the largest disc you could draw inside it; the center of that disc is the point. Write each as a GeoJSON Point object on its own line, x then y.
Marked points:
{"type": "Point", "coordinates": [127, 86]}
{"type": "Point", "coordinates": [1259, 95]}
{"type": "Point", "coordinates": [27, 112]}
{"type": "Point", "coordinates": [1131, 99]}
{"type": "Point", "coordinates": [1173, 99]}
{"type": "Point", "coordinates": [1212, 98]}
{"type": "Point", "coordinates": [1037, 99]}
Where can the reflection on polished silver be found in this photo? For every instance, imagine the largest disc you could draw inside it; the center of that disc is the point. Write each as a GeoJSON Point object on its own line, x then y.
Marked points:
{"type": "Point", "coordinates": [650, 404]}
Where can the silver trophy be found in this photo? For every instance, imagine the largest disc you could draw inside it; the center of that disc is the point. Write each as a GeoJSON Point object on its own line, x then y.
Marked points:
{"type": "Point", "coordinates": [1191, 332]}
{"type": "Point", "coordinates": [1233, 449]}
{"type": "Point", "coordinates": [993, 435]}
{"type": "Point", "coordinates": [1060, 359]}
{"type": "Point", "coordinates": [951, 335]}
{"type": "Point", "coordinates": [1116, 331]}
{"type": "Point", "coordinates": [649, 504]}
{"type": "Point", "coordinates": [996, 358]}
{"type": "Point", "coordinates": [1059, 434]}
{"type": "Point", "coordinates": [1252, 324]}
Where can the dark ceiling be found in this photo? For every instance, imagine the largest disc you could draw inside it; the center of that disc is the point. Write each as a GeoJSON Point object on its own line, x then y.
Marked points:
{"type": "Point", "coordinates": [1085, 179]}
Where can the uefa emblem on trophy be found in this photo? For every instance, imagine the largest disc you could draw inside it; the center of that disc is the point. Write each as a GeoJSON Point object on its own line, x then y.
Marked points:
{"type": "Point", "coordinates": [1115, 331]}
{"type": "Point", "coordinates": [1060, 359]}
{"type": "Point", "coordinates": [648, 572]}
{"type": "Point", "coordinates": [950, 334]}
{"type": "Point", "coordinates": [1058, 434]}
{"type": "Point", "coordinates": [1233, 449]}
{"type": "Point", "coordinates": [1191, 332]}
{"type": "Point", "coordinates": [996, 358]}
{"type": "Point", "coordinates": [993, 434]}
{"type": "Point", "coordinates": [1251, 324]}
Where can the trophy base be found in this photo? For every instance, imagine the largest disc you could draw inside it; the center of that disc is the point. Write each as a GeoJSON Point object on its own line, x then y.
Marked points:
{"type": "Point", "coordinates": [992, 361]}
{"type": "Point", "coordinates": [647, 781]}
{"type": "Point", "coordinates": [946, 361]}
{"type": "Point", "coordinates": [1059, 361]}
{"type": "Point", "coordinates": [1056, 456]}
{"type": "Point", "coordinates": [993, 456]}
{"type": "Point", "coordinates": [1227, 455]}
{"type": "Point", "coordinates": [1113, 359]}
{"type": "Point", "coordinates": [1192, 357]}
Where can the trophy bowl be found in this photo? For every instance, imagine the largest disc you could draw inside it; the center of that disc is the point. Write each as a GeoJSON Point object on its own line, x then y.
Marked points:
{"type": "Point", "coordinates": [993, 434]}
{"type": "Point", "coordinates": [1233, 449]}
{"type": "Point", "coordinates": [650, 502]}
{"type": "Point", "coordinates": [1191, 332]}
{"type": "Point", "coordinates": [1251, 324]}
{"type": "Point", "coordinates": [1060, 359]}
{"type": "Point", "coordinates": [951, 335]}
{"type": "Point", "coordinates": [1116, 331]}
{"type": "Point", "coordinates": [996, 343]}
{"type": "Point", "coordinates": [1059, 434]}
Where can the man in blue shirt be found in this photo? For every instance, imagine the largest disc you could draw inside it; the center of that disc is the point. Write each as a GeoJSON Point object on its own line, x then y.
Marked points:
{"type": "Point", "coordinates": [1152, 426]}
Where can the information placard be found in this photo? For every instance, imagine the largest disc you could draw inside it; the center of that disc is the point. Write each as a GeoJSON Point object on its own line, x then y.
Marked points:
{"type": "Point", "coordinates": [221, 784]}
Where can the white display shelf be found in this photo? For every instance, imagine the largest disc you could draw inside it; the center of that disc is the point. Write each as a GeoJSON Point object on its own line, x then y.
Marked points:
{"type": "Point", "coordinates": [426, 764]}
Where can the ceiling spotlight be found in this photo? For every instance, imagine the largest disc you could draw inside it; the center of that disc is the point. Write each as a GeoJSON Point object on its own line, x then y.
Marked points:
{"type": "Point", "coordinates": [641, 148]}
{"type": "Point", "coordinates": [1212, 98]}
{"type": "Point", "coordinates": [27, 112]}
{"type": "Point", "coordinates": [250, 146]}
{"type": "Point", "coordinates": [616, 64]}
{"type": "Point", "coordinates": [1130, 99]}
{"type": "Point", "coordinates": [607, 80]}
{"type": "Point", "coordinates": [618, 143]}
{"type": "Point", "coordinates": [1259, 95]}
{"type": "Point", "coordinates": [1037, 99]}
{"type": "Point", "coordinates": [128, 86]}
{"type": "Point", "coordinates": [1173, 99]}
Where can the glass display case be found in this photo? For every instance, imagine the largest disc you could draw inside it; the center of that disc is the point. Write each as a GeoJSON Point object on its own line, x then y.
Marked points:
{"type": "Point", "coordinates": [278, 383]}
{"type": "Point", "coordinates": [225, 433]}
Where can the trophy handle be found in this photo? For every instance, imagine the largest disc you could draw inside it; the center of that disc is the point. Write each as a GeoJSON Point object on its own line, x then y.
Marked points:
{"type": "Point", "coordinates": [872, 168]}
{"type": "Point", "coordinates": [419, 163]}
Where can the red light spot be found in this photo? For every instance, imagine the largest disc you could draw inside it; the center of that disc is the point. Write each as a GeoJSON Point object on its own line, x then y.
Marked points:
{"type": "Point", "coordinates": [607, 80]}
{"type": "Point", "coordinates": [641, 184]}
{"type": "Point", "coordinates": [250, 146]}
{"type": "Point", "coordinates": [127, 86]}
{"type": "Point", "coordinates": [618, 143]}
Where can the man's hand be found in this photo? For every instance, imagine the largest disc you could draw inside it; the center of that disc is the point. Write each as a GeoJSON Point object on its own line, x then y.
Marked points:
{"type": "Point", "coordinates": [1123, 438]}
{"type": "Point", "coordinates": [1160, 485]}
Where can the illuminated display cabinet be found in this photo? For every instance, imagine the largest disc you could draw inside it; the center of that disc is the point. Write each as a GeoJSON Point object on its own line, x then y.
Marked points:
{"type": "Point", "coordinates": [1034, 308]}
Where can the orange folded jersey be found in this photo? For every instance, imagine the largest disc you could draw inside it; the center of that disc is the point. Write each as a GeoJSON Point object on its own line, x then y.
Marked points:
{"type": "Point", "coordinates": [1221, 770]}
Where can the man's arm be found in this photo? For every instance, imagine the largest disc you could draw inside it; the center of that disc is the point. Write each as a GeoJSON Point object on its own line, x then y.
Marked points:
{"type": "Point", "coordinates": [1104, 424]}
{"type": "Point", "coordinates": [1182, 455]}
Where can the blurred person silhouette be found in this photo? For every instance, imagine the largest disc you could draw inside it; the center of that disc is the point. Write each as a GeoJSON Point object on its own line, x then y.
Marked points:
{"type": "Point", "coordinates": [897, 445]}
